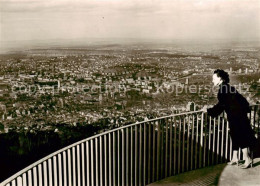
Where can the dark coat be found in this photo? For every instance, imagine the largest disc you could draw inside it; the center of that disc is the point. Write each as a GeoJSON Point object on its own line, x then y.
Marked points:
{"type": "Point", "coordinates": [236, 108]}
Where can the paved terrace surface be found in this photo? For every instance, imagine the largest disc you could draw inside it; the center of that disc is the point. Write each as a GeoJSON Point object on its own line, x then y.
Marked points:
{"type": "Point", "coordinates": [221, 174]}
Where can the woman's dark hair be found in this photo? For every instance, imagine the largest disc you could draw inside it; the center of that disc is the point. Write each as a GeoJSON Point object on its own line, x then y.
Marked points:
{"type": "Point", "coordinates": [223, 75]}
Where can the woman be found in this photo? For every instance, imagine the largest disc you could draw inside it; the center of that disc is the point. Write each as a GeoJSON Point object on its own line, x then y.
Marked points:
{"type": "Point", "coordinates": [236, 108]}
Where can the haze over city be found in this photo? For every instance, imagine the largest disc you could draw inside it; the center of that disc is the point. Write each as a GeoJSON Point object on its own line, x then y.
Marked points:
{"type": "Point", "coordinates": [35, 20]}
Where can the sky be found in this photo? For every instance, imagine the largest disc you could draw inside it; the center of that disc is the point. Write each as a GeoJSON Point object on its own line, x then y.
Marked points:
{"type": "Point", "coordinates": [23, 20]}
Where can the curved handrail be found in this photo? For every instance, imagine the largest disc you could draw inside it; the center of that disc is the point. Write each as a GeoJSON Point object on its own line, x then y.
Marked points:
{"type": "Point", "coordinates": [87, 139]}
{"type": "Point", "coordinates": [91, 138]}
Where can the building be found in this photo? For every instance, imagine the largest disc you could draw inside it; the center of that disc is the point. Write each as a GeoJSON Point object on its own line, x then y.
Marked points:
{"type": "Point", "coordinates": [190, 106]}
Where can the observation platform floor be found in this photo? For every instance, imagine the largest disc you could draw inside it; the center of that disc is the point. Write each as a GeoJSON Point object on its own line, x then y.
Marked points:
{"type": "Point", "coordinates": [221, 174]}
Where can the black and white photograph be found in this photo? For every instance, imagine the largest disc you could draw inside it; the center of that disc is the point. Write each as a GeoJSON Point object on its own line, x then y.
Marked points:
{"type": "Point", "coordinates": [129, 92]}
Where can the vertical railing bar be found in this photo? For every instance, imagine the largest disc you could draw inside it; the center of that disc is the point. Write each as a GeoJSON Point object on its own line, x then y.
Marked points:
{"type": "Point", "coordinates": [154, 160]}
{"type": "Point", "coordinates": [192, 140]}
{"type": "Point", "coordinates": [132, 154]}
{"type": "Point", "coordinates": [74, 165]}
{"type": "Point", "coordinates": [83, 164]}
{"type": "Point", "coordinates": [55, 175]}
{"type": "Point", "coordinates": [110, 159]}
{"type": "Point", "coordinates": [231, 151]}
{"type": "Point", "coordinates": [118, 158]}
{"type": "Point", "coordinates": [209, 147]}
{"type": "Point", "coordinates": [149, 154]}
{"type": "Point", "coordinates": [162, 147]}
{"type": "Point", "coordinates": [183, 144]}
{"type": "Point", "coordinates": [239, 153]}
{"type": "Point", "coordinates": [140, 154]}
{"type": "Point", "coordinates": [114, 157]}
{"type": "Point", "coordinates": [127, 156]}
{"type": "Point", "coordinates": [201, 140]}
{"type": "Point", "coordinates": [174, 146]}
{"type": "Point", "coordinates": [258, 122]}
{"type": "Point", "coordinates": [136, 152]}
{"type": "Point", "coordinates": [25, 179]}
{"type": "Point", "coordinates": [197, 141]}
{"type": "Point", "coordinates": [21, 179]}
{"type": "Point", "coordinates": [45, 175]}
{"type": "Point", "coordinates": [105, 159]}
{"type": "Point", "coordinates": [226, 139]}
{"type": "Point", "coordinates": [18, 181]}
{"type": "Point", "coordinates": [101, 160]}
{"type": "Point", "coordinates": [170, 159]}
{"type": "Point", "coordinates": [60, 170]}
{"type": "Point", "coordinates": [188, 144]}
{"type": "Point", "coordinates": [255, 120]}
{"type": "Point", "coordinates": [50, 171]}
{"type": "Point", "coordinates": [123, 156]}
{"type": "Point", "coordinates": [96, 160]}
{"type": "Point", "coordinates": [40, 175]}
{"type": "Point", "coordinates": [222, 140]}
{"type": "Point", "coordinates": [166, 148]}
{"type": "Point", "coordinates": [205, 139]}
{"type": "Point", "coordinates": [218, 140]}
{"type": "Point", "coordinates": [158, 150]}
{"type": "Point", "coordinates": [65, 168]}
{"type": "Point", "coordinates": [13, 183]}
{"type": "Point", "coordinates": [179, 146]}
{"type": "Point", "coordinates": [213, 144]}
{"type": "Point", "coordinates": [92, 161]}
{"type": "Point", "coordinates": [35, 180]}
{"type": "Point", "coordinates": [88, 164]}
{"type": "Point", "coordinates": [69, 167]}
{"type": "Point", "coordinates": [144, 171]}
{"type": "Point", "coordinates": [30, 176]}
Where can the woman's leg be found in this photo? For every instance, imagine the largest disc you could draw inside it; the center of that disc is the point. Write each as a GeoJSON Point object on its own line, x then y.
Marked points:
{"type": "Point", "coordinates": [234, 160]}
{"type": "Point", "coordinates": [246, 156]}
{"type": "Point", "coordinates": [248, 160]}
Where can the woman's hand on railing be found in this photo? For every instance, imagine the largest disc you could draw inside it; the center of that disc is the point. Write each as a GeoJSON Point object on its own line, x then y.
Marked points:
{"type": "Point", "coordinates": [204, 109]}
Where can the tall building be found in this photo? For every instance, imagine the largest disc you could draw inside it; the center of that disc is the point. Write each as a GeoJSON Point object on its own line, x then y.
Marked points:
{"type": "Point", "coordinates": [100, 97]}
{"type": "Point", "coordinates": [187, 81]}
{"type": "Point", "coordinates": [190, 106]}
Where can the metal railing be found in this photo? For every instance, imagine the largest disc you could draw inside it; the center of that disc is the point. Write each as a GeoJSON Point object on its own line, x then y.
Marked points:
{"type": "Point", "coordinates": [137, 154]}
